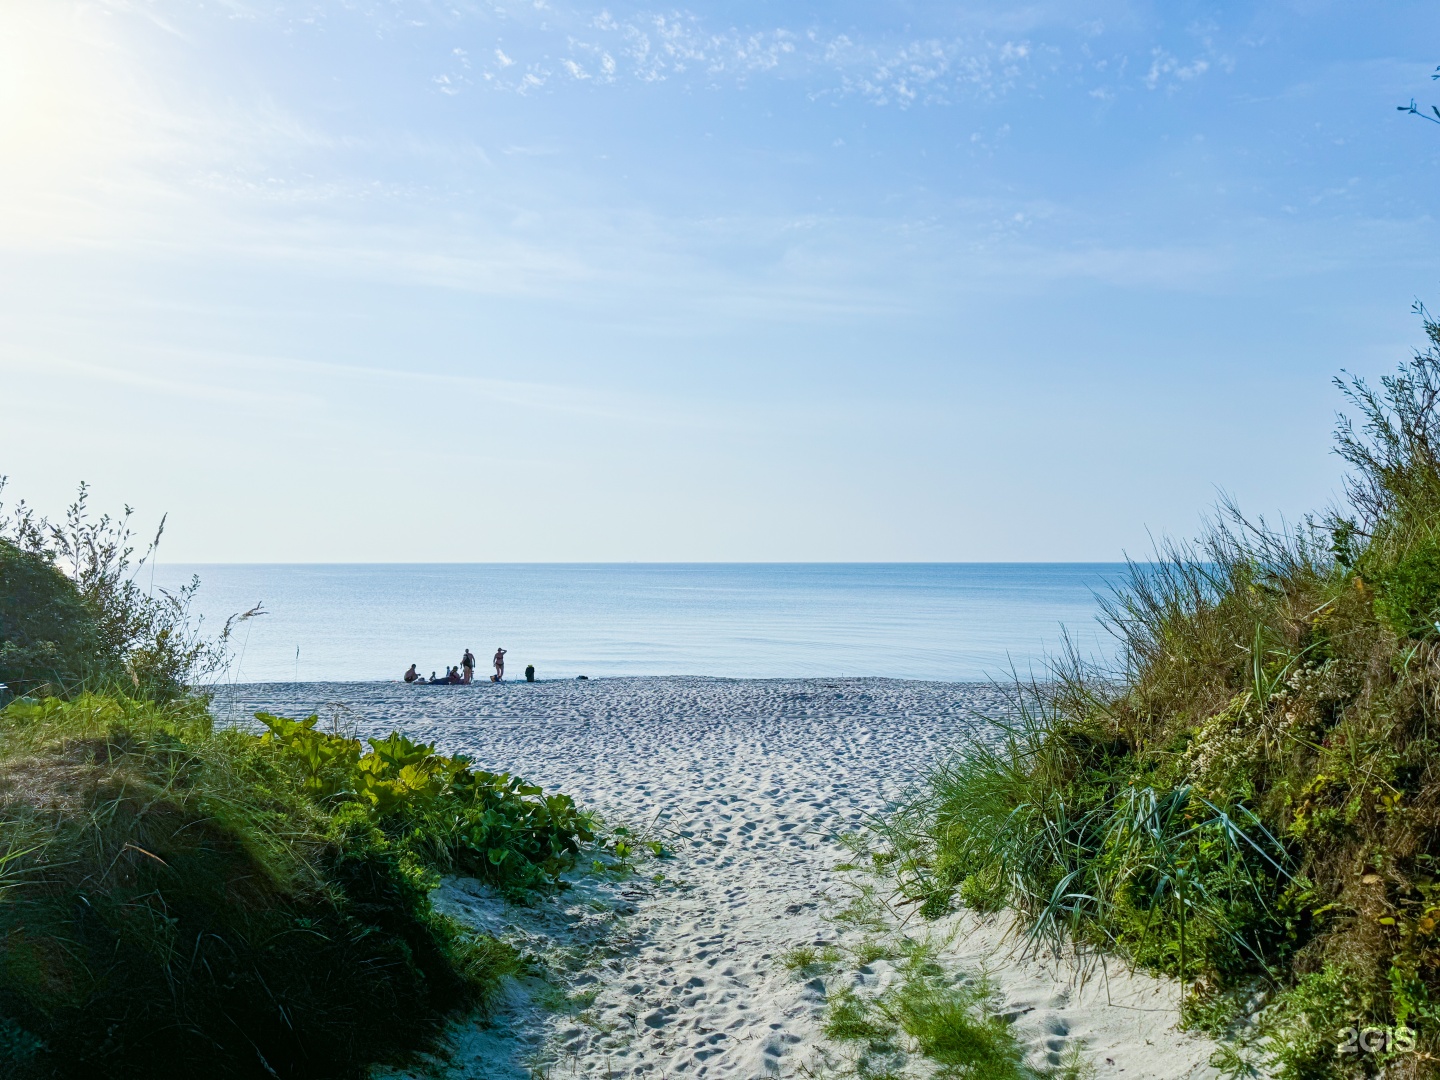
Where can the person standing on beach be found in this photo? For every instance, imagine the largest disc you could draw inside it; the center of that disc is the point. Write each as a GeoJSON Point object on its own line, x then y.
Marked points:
{"type": "Point", "coordinates": [499, 665]}
{"type": "Point", "coordinates": [468, 663]}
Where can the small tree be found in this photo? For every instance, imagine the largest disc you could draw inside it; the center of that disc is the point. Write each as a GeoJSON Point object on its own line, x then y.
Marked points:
{"type": "Point", "coordinates": [147, 639]}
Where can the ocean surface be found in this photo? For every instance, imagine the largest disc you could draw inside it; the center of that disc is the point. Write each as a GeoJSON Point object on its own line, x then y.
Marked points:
{"type": "Point", "coordinates": [942, 621]}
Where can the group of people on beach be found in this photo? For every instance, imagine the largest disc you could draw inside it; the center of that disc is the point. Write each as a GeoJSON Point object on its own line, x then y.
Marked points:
{"type": "Point", "coordinates": [462, 674]}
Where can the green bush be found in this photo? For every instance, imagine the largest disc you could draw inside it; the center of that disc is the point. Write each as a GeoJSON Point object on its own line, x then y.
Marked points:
{"type": "Point", "coordinates": [179, 901]}
{"type": "Point", "coordinates": [47, 634]}
{"type": "Point", "coordinates": [1315, 1013]}
{"type": "Point", "coordinates": [96, 626]}
{"type": "Point", "coordinates": [1408, 594]}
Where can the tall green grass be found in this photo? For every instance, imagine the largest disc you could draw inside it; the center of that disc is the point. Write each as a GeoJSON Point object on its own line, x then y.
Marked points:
{"type": "Point", "coordinates": [950, 1025]}
{"type": "Point", "coordinates": [178, 900]}
{"type": "Point", "coordinates": [1250, 802]}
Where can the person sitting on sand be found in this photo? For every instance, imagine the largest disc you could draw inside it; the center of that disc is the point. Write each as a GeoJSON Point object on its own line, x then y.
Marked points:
{"type": "Point", "coordinates": [499, 666]}
{"type": "Point", "coordinates": [412, 675]}
{"type": "Point", "coordinates": [467, 664]}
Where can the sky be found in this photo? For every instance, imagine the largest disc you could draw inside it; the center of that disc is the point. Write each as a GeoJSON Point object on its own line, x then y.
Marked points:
{"type": "Point", "coordinates": [399, 280]}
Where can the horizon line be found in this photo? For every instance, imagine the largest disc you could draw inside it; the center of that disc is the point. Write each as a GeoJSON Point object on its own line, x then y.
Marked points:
{"type": "Point", "coordinates": [677, 562]}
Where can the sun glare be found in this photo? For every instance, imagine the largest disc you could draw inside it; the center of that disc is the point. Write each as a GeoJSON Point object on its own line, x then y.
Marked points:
{"type": "Point", "coordinates": [71, 120]}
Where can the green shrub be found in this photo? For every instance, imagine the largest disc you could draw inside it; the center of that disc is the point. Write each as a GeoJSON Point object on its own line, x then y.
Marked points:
{"type": "Point", "coordinates": [1408, 594]}
{"type": "Point", "coordinates": [144, 641]}
{"type": "Point", "coordinates": [47, 634]}
{"type": "Point", "coordinates": [848, 1018]}
{"type": "Point", "coordinates": [925, 1013]}
{"type": "Point", "coordinates": [177, 901]}
{"type": "Point", "coordinates": [1311, 1019]}
{"type": "Point", "coordinates": [951, 1026]}
{"type": "Point", "coordinates": [985, 889]}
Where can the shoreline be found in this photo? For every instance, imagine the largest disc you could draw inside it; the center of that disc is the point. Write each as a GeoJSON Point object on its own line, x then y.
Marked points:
{"type": "Point", "coordinates": [614, 678]}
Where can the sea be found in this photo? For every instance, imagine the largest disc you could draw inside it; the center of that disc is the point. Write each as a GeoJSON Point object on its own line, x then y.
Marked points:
{"type": "Point", "coordinates": [959, 622]}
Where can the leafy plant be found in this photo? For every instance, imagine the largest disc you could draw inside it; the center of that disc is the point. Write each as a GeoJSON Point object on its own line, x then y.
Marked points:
{"type": "Point", "coordinates": [447, 815]}
{"type": "Point", "coordinates": [47, 634]}
{"type": "Point", "coordinates": [1408, 593]}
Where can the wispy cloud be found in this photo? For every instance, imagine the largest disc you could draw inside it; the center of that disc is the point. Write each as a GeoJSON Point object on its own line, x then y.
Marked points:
{"type": "Point", "coordinates": [299, 387]}
{"type": "Point", "coordinates": [1169, 71]}
{"type": "Point", "coordinates": [650, 47]}
{"type": "Point", "coordinates": [264, 176]}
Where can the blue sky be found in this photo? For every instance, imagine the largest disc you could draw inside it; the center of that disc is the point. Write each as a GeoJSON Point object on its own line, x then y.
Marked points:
{"type": "Point", "coordinates": [551, 281]}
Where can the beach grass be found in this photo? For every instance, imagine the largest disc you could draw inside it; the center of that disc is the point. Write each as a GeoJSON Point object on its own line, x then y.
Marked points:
{"type": "Point", "coordinates": [926, 1014]}
{"type": "Point", "coordinates": [1251, 803]}
{"type": "Point", "coordinates": [177, 903]}
{"type": "Point", "coordinates": [181, 899]}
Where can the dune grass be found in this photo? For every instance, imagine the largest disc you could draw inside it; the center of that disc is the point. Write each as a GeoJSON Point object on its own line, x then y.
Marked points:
{"type": "Point", "coordinates": [927, 1018]}
{"type": "Point", "coordinates": [1250, 804]}
{"type": "Point", "coordinates": [178, 900]}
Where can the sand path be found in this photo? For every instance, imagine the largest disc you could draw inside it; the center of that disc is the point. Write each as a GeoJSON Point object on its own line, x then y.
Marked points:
{"type": "Point", "coordinates": [751, 781]}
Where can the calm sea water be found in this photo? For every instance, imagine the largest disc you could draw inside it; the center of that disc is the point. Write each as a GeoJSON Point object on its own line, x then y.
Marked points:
{"type": "Point", "coordinates": [949, 621]}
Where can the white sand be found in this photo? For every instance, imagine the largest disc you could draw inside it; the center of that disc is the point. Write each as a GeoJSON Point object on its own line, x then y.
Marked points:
{"type": "Point", "coordinates": [751, 781]}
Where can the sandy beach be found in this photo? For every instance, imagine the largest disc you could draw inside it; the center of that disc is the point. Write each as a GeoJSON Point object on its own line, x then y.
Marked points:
{"type": "Point", "coordinates": [678, 969]}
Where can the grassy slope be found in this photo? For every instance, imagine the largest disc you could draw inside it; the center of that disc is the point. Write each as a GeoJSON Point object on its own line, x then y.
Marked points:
{"type": "Point", "coordinates": [1253, 805]}
{"type": "Point", "coordinates": [177, 900]}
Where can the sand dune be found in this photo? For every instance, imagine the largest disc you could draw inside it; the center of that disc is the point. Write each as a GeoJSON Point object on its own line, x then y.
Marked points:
{"type": "Point", "coordinates": [750, 783]}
